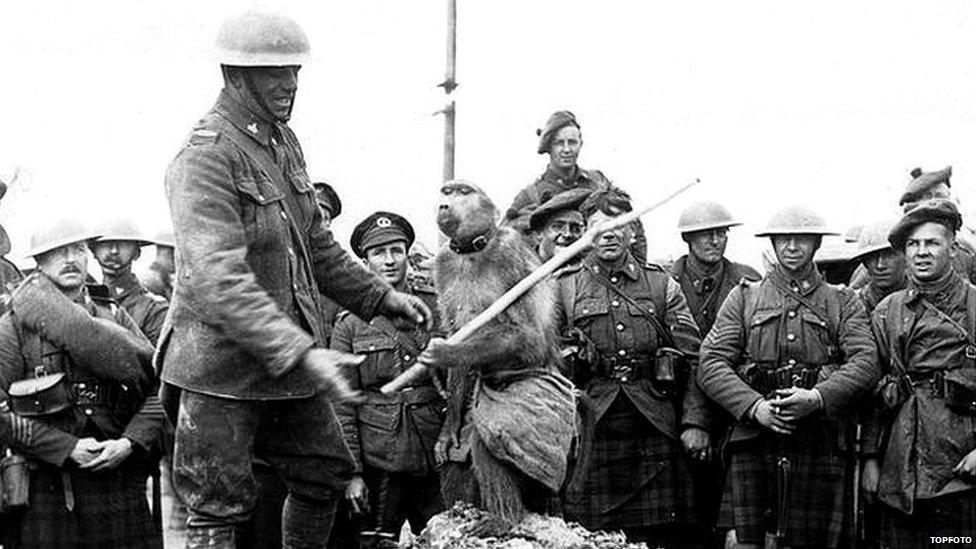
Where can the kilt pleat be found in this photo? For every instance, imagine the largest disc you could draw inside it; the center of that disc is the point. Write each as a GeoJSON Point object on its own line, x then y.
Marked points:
{"type": "Point", "coordinates": [111, 510]}
{"type": "Point", "coordinates": [637, 476]}
{"type": "Point", "coordinates": [818, 492]}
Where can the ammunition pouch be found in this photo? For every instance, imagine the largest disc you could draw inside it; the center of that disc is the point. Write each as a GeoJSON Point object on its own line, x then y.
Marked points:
{"type": "Point", "coordinates": [14, 483]}
{"type": "Point", "coordinates": [40, 396]}
{"type": "Point", "coordinates": [766, 378]}
{"type": "Point", "coordinates": [949, 385]}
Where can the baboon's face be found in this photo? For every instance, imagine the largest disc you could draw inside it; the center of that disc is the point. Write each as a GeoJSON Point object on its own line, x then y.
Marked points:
{"type": "Point", "coordinates": [463, 204]}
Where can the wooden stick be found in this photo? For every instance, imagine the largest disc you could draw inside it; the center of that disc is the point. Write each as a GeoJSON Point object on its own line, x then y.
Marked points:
{"type": "Point", "coordinates": [547, 268]}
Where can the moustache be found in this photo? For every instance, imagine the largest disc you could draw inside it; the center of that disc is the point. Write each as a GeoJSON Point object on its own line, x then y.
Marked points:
{"type": "Point", "coordinates": [71, 269]}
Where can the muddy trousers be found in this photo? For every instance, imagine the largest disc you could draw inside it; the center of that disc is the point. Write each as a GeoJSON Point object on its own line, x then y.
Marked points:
{"type": "Point", "coordinates": [300, 438]}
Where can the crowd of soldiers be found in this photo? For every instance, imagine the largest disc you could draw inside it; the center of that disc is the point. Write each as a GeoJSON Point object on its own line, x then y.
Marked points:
{"type": "Point", "coordinates": [718, 407]}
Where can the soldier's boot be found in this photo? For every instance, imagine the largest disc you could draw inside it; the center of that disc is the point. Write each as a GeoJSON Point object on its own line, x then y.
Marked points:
{"type": "Point", "coordinates": [306, 524]}
{"type": "Point", "coordinates": [210, 537]}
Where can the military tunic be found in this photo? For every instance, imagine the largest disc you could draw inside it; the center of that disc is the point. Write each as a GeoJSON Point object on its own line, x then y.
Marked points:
{"type": "Point", "coordinates": [110, 508]}
{"type": "Point", "coordinates": [927, 436]}
{"type": "Point", "coordinates": [828, 345]}
{"type": "Point", "coordinates": [252, 256]}
{"type": "Point", "coordinates": [391, 437]}
{"type": "Point", "coordinates": [147, 309]}
{"type": "Point", "coordinates": [705, 293]}
{"type": "Point", "coordinates": [638, 477]}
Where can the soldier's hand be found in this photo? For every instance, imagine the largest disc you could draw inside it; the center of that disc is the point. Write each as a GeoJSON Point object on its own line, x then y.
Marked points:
{"type": "Point", "coordinates": [85, 450]}
{"type": "Point", "coordinates": [696, 443]}
{"type": "Point", "coordinates": [396, 305]}
{"type": "Point", "coordinates": [358, 495]}
{"type": "Point", "coordinates": [966, 466]}
{"type": "Point", "coordinates": [869, 479]}
{"type": "Point", "coordinates": [434, 353]}
{"type": "Point", "coordinates": [794, 404]}
{"type": "Point", "coordinates": [764, 415]}
{"type": "Point", "coordinates": [325, 366]}
{"type": "Point", "coordinates": [113, 453]}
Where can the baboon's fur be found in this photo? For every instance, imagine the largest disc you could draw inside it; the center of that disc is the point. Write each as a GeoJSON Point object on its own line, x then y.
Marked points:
{"type": "Point", "coordinates": [520, 339]}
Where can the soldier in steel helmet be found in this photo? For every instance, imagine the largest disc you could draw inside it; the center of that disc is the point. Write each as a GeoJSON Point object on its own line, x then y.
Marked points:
{"type": "Point", "coordinates": [119, 245]}
{"type": "Point", "coordinates": [159, 278]}
{"type": "Point", "coordinates": [884, 265]}
{"type": "Point", "coordinates": [787, 357]}
{"type": "Point", "coordinates": [924, 473]}
{"type": "Point", "coordinates": [391, 437]}
{"type": "Point", "coordinates": [562, 139]}
{"type": "Point", "coordinates": [645, 418]}
{"type": "Point", "coordinates": [78, 392]}
{"type": "Point", "coordinates": [706, 277]}
{"type": "Point", "coordinates": [244, 336]}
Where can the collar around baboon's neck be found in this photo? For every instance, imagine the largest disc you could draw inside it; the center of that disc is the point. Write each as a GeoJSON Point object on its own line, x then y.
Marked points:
{"type": "Point", "coordinates": [471, 243]}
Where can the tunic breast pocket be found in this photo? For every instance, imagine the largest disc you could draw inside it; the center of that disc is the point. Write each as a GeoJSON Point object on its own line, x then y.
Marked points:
{"type": "Point", "coordinates": [817, 346]}
{"type": "Point", "coordinates": [262, 213]}
{"type": "Point", "coordinates": [381, 364]}
{"type": "Point", "coordinates": [587, 310]}
{"type": "Point", "coordinates": [764, 344]}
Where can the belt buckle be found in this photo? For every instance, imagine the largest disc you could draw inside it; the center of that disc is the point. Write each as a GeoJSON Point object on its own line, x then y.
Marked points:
{"type": "Point", "coordinates": [970, 352]}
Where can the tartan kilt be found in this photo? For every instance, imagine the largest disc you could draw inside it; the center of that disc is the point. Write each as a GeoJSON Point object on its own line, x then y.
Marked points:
{"type": "Point", "coordinates": [819, 490]}
{"type": "Point", "coordinates": [636, 477]}
{"type": "Point", "coordinates": [111, 510]}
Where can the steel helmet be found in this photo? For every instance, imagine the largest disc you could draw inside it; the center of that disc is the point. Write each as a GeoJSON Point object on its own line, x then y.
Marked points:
{"type": "Point", "coordinates": [165, 238]}
{"type": "Point", "coordinates": [259, 39]}
{"type": "Point", "coordinates": [873, 238]}
{"type": "Point", "coordinates": [122, 229]}
{"type": "Point", "coordinates": [796, 220]}
{"type": "Point", "coordinates": [705, 215]}
{"type": "Point", "coordinates": [57, 233]}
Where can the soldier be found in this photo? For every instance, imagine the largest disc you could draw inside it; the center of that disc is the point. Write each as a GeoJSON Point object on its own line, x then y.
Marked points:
{"type": "Point", "coordinates": [787, 357]}
{"type": "Point", "coordinates": [119, 246]}
{"type": "Point", "coordinates": [884, 265]}
{"type": "Point", "coordinates": [706, 277]}
{"type": "Point", "coordinates": [244, 332]}
{"type": "Point", "coordinates": [562, 140]}
{"type": "Point", "coordinates": [925, 186]}
{"type": "Point", "coordinates": [638, 351]}
{"type": "Point", "coordinates": [76, 375]}
{"type": "Point", "coordinates": [328, 200]}
{"type": "Point", "coordinates": [10, 275]}
{"type": "Point", "coordinates": [391, 437]}
{"type": "Point", "coordinates": [557, 223]}
{"type": "Point", "coordinates": [926, 480]}
{"type": "Point", "coordinates": [159, 280]}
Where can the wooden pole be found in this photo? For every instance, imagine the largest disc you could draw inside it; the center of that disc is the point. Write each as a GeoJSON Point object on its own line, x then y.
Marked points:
{"type": "Point", "coordinates": [449, 84]}
{"type": "Point", "coordinates": [547, 268]}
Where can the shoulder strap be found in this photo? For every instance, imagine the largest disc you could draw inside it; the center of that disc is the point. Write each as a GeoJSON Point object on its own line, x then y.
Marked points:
{"type": "Point", "coordinates": [969, 314]}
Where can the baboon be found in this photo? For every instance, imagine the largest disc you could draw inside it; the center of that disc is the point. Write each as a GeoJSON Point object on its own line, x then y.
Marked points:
{"type": "Point", "coordinates": [511, 414]}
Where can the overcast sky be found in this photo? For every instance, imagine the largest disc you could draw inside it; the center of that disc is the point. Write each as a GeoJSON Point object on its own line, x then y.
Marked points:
{"type": "Point", "coordinates": [830, 104]}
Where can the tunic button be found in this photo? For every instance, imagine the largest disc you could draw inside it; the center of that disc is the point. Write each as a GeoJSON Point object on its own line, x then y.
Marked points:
{"type": "Point", "coordinates": [406, 357]}
{"type": "Point", "coordinates": [791, 362]}
{"type": "Point", "coordinates": [261, 197]}
{"type": "Point", "coordinates": [291, 251]}
{"type": "Point", "coordinates": [620, 327]}
{"type": "Point", "coordinates": [284, 215]}
{"type": "Point", "coordinates": [613, 279]}
{"type": "Point", "coordinates": [372, 347]}
{"type": "Point", "coordinates": [81, 385]}
{"type": "Point", "coordinates": [615, 303]}
{"type": "Point", "coordinates": [792, 314]}
{"type": "Point", "coordinates": [790, 337]}
{"type": "Point", "coordinates": [88, 411]}
{"type": "Point", "coordinates": [622, 352]}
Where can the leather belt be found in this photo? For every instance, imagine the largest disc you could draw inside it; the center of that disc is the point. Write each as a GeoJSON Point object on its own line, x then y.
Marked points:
{"type": "Point", "coordinates": [768, 378]}
{"type": "Point", "coordinates": [625, 369]}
